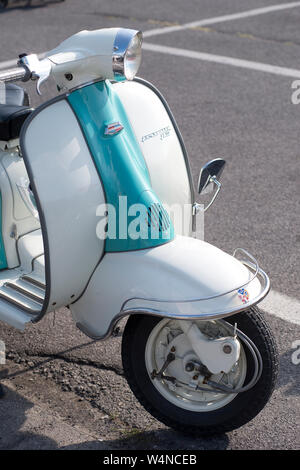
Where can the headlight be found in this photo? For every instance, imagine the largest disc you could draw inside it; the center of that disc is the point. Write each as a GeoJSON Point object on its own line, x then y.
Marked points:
{"type": "Point", "coordinates": [127, 51]}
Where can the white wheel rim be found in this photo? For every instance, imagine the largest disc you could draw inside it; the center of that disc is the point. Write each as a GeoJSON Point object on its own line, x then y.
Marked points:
{"type": "Point", "coordinates": [183, 396]}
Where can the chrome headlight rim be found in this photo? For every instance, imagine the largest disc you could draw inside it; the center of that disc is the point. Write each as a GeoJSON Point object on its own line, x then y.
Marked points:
{"type": "Point", "coordinates": [122, 44]}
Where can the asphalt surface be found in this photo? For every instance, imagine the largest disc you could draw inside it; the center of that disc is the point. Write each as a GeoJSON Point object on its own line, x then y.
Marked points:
{"type": "Point", "coordinates": [243, 115]}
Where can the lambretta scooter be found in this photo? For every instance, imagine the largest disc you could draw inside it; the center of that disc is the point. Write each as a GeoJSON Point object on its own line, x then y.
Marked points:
{"type": "Point", "coordinates": [89, 181]}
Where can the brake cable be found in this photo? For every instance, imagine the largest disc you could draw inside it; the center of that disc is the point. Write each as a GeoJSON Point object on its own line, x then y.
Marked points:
{"type": "Point", "coordinates": [216, 387]}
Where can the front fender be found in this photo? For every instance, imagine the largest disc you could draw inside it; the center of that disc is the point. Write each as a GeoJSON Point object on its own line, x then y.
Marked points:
{"type": "Point", "coordinates": [185, 279]}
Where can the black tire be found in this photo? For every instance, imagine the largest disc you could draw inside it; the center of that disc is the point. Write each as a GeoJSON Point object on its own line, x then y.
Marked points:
{"type": "Point", "coordinates": [3, 4]}
{"type": "Point", "coordinates": [243, 408]}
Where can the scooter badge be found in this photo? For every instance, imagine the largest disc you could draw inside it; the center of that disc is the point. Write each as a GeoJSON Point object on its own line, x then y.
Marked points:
{"type": "Point", "coordinates": [113, 128]}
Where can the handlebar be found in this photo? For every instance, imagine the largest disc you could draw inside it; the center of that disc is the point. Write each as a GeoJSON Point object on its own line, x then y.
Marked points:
{"type": "Point", "coordinates": [29, 68]}
{"type": "Point", "coordinates": [13, 75]}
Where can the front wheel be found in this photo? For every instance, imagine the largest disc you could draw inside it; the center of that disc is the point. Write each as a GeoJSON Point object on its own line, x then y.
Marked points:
{"type": "Point", "coordinates": [179, 396]}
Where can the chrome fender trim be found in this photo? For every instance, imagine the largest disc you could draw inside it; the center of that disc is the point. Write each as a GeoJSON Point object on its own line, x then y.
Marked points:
{"type": "Point", "coordinates": [265, 287]}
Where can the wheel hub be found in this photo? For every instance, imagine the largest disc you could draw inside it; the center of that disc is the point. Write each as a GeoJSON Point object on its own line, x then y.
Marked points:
{"type": "Point", "coordinates": [185, 373]}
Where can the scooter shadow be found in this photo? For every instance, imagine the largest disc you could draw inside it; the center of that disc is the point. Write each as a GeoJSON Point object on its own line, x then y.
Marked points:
{"type": "Point", "coordinates": [28, 5]}
{"type": "Point", "coordinates": [163, 439]}
{"type": "Point", "coordinates": [13, 411]}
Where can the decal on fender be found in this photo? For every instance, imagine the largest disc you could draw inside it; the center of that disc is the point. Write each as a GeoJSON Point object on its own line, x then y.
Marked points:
{"type": "Point", "coordinates": [243, 295]}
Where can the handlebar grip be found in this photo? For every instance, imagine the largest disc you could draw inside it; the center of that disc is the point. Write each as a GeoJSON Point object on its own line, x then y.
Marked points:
{"type": "Point", "coordinates": [12, 75]}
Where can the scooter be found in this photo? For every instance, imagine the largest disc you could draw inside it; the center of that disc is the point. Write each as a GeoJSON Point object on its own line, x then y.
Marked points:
{"type": "Point", "coordinates": [90, 184]}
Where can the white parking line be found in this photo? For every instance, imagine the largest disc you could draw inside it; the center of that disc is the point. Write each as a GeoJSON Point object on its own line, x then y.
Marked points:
{"type": "Point", "coordinates": [194, 24]}
{"type": "Point", "coordinates": [259, 66]}
{"type": "Point", "coordinates": [248, 64]}
{"type": "Point", "coordinates": [282, 306]}
{"type": "Point", "coordinates": [221, 19]}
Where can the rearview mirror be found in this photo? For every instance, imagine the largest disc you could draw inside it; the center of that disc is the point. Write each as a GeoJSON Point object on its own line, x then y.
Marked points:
{"type": "Point", "coordinates": [212, 169]}
{"type": "Point", "coordinates": [211, 173]}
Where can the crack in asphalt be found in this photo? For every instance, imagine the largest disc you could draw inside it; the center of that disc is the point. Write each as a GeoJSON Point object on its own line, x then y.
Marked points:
{"type": "Point", "coordinates": [57, 356]}
{"type": "Point", "coordinates": [76, 387]}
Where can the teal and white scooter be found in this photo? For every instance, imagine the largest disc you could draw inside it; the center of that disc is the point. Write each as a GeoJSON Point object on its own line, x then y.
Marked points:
{"type": "Point", "coordinates": [99, 214]}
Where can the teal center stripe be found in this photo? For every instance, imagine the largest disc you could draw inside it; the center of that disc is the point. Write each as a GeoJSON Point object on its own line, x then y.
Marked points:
{"type": "Point", "coordinates": [123, 171]}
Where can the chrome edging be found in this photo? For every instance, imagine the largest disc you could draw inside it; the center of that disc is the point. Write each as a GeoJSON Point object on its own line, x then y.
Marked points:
{"type": "Point", "coordinates": [121, 44]}
{"type": "Point", "coordinates": [254, 266]}
{"type": "Point", "coordinates": [204, 316]}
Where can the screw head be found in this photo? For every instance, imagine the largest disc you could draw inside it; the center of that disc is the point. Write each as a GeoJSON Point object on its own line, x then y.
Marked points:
{"type": "Point", "coordinates": [189, 367]}
{"type": "Point", "coordinates": [227, 348]}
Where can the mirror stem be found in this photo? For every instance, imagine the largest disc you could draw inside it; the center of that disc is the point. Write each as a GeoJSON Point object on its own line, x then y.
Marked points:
{"type": "Point", "coordinates": [214, 180]}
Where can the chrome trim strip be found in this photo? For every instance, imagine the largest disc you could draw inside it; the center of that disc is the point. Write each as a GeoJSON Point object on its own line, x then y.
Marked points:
{"type": "Point", "coordinates": [204, 316]}
{"type": "Point", "coordinates": [254, 267]}
{"type": "Point", "coordinates": [20, 300]}
{"type": "Point", "coordinates": [37, 295]}
{"type": "Point", "coordinates": [34, 281]}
